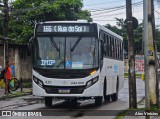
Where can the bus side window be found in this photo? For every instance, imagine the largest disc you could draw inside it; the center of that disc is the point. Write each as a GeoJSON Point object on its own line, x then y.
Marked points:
{"type": "Point", "coordinates": [118, 49]}
{"type": "Point", "coordinates": [102, 35]}
{"type": "Point", "coordinates": [102, 50]}
{"type": "Point", "coordinates": [104, 45]}
{"type": "Point", "coordinates": [113, 47]}
{"type": "Point", "coordinates": [121, 50]}
{"type": "Point", "coordinates": [110, 47]}
{"type": "Point", "coordinates": [118, 52]}
{"type": "Point", "coordinates": [107, 45]}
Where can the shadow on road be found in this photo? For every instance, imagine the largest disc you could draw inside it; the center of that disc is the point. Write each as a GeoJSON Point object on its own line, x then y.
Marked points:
{"type": "Point", "coordinates": [74, 110]}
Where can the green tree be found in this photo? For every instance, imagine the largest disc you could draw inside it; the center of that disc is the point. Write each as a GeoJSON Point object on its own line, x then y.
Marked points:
{"type": "Point", "coordinates": [25, 13]}
{"type": "Point", "coordinates": [121, 30]}
{"type": "Point", "coordinates": [138, 40]}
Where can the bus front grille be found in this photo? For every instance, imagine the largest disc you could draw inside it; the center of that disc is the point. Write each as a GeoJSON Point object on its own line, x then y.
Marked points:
{"type": "Point", "coordinates": [67, 89]}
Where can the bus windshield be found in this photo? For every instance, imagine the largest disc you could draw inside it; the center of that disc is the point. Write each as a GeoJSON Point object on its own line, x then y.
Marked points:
{"type": "Point", "coordinates": [66, 52]}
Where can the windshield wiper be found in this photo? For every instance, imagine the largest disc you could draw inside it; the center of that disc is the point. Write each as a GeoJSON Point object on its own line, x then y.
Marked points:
{"type": "Point", "coordinates": [53, 43]}
{"type": "Point", "coordinates": [75, 45]}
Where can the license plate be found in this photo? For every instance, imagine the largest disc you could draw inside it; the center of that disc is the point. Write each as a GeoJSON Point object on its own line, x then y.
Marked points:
{"type": "Point", "coordinates": [64, 90]}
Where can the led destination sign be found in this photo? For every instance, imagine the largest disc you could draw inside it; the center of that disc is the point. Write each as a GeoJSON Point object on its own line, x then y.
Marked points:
{"type": "Point", "coordinates": [58, 28]}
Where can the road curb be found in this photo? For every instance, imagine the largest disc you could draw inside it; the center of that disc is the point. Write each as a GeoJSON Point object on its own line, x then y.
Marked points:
{"type": "Point", "coordinates": [15, 95]}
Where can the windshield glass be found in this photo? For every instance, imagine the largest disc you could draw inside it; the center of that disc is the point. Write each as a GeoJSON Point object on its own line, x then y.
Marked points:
{"type": "Point", "coordinates": [81, 52]}
{"type": "Point", "coordinates": [50, 52]}
{"type": "Point", "coordinates": [66, 52]}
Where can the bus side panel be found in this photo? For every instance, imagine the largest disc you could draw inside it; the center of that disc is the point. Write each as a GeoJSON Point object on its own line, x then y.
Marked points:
{"type": "Point", "coordinates": [111, 70]}
{"type": "Point", "coordinates": [106, 73]}
{"type": "Point", "coordinates": [121, 75]}
{"type": "Point", "coordinates": [118, 71]}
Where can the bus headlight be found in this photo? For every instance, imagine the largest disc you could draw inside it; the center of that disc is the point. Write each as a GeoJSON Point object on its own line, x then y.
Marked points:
{"type": "Point", "coordinates": [37, 81]}
{"type": "Point", "coordinates": [91, 82]}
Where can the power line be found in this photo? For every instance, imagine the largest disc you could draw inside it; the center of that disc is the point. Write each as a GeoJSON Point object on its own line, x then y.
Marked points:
{"type": "Point", "coordinates": [115, 20]}
{"type": "Point", "coordinates": [120, 13]}
{"type": "Point", "coordinates": [104, 12]}
{"type": "Point", "coordinates": [109, 15]}
{"type": "Point", "coordinates": [103, 3]}
{"type": "Point", "coordinates": [109, 20]}
{"type": "Point", "coordinates": [95, 10]}
{"type": "Point", "coordinates": [118, 8]}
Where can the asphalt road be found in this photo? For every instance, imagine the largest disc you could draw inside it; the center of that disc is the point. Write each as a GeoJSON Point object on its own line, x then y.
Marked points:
{"type": "Point", "coordinates": [64, 110]}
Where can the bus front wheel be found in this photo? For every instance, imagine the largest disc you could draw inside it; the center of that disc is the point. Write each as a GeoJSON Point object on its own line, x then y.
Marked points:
{"type": "Point", "coordinates": [48, 101]}
{"type": "Point", "coordinates": [98, 100]}
{"type": "Point", "coordinates": [106, 97]}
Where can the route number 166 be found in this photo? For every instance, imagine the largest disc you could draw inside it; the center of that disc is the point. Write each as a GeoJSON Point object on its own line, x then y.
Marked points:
{"type": "Point", "coordinates": [47, 28]}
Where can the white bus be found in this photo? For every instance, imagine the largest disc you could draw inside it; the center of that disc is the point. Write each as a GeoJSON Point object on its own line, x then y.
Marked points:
{"type": "Point", "coordinates": [75, 60]}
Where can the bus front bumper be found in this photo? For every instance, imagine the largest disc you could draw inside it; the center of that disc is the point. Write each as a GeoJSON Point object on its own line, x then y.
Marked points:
{"type": "Point", "coordinates": [69, 92]}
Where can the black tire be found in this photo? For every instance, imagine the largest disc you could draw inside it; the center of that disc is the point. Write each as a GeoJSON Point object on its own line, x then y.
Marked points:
{"type": "Point", "coordinates": [98, 101]}
{"type": "Point", "coordinates": [114, 96]}
{"type": "Point", "coordinates": [48, 101]}
{"type": "Point", "coordinates": [15, 86]}
{"type": "Point", "coordinates": [106, 97]}
{"type": "Point", "coordinates": [74, 102]}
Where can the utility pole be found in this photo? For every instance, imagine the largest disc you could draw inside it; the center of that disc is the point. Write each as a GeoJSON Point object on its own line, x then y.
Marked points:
{"type": "Point", "coordinates": [155, 55]}
{"type": "Point", "coordinates": [152, 57]}
{"type": "Point", "coordinates": [145, 40]}
{"type": "Point", "coordinates": [5, 29]}
{"type": "Point", "coordinates": [131, 71]}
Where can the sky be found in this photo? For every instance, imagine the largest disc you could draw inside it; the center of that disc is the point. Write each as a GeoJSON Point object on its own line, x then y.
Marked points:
{"type": "Point", "coordinates": [105, 11]}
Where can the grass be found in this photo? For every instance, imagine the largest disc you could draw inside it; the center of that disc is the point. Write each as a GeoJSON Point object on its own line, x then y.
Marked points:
{"type": "Point", "coordinates": [121, 115]}
{"type": "Point", "coordinates": [27, 83]}
{"type": "Point", "coordinates": [137, 75]}
{"type": "Point", "coordinates": [152, 108]}
{"type": "Point", "coordinates": [13, 95]}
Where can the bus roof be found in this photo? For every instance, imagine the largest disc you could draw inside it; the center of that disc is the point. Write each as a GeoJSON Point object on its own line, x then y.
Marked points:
{"type": "Point", "coordinates": [79, 21]}
{"type": "Point", "coordinates": [110, 32]}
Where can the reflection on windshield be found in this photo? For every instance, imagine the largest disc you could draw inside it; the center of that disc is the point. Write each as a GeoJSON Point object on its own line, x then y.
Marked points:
{"type": "Point", "coordinates": [76, 43]}
{"type": "Point", "coordinates": [50, 52]}
{"type": "Point", "coordinates": [66, 52]}
{"type": "Point", "coordinates": [81, 53]}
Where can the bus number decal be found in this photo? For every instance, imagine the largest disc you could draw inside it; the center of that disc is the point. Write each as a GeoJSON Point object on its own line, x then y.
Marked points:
{"type": "Point", "coordinates": [48, 82]}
